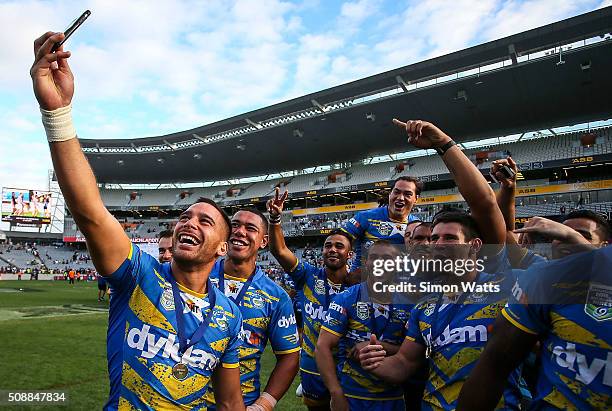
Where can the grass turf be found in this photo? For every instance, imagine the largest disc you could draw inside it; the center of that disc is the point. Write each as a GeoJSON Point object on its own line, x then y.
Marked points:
{"type": "Point", "coordinates": [53, 337]}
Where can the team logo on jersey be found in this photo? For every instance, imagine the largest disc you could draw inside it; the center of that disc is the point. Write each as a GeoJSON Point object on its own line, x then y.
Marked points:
{"type": "Point", "coordinates": [167, 300]}
{"type": "Point", "coordinates": [220, 319]}
{"type": "Point", "coordinates": [363, 311]}
{"type": "Point", "coordinates": [400, 316]}
{"type": "Point", "coordinates": [319, 286]}
{"type": "Point", "coordinates": [599, 302]}
{"type": "Point", "coordinates": [430, 309]}
{"type": "Point", "coordinates": [385, 228]}
{"type": "Point", "coordinates": [257, 301]}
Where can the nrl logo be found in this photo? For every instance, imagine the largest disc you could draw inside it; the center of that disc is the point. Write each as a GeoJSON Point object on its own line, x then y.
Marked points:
{"type": "Point", "coordinates": [363, 311]}
{"type": "Point", "coordinates": [599, 302]}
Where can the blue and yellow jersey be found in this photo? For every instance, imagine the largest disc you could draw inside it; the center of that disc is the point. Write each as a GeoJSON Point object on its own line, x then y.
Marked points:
{"type": "Point", "coordinates": [367, 227]}
{"type": "Point", "coordinates": [267, 314]}
{"type": "Point", "coordinates": [143, 345]}
{"type": "Point", "coordinates": [576, 338]}
{"type": "Point", "coordinates": [353, 318]}
{"type": "Point", "coordinates": [457, 335]}
{"type": "Point", "coordinates": [317, 292]}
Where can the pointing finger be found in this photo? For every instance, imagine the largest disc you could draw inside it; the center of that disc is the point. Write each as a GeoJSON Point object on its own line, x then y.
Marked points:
{"type": "Point", "coordinates": [399, 123]}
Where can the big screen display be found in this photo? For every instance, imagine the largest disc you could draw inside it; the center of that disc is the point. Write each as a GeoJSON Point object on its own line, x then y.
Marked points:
{"type": "Point", "coordinates": [24, 207]}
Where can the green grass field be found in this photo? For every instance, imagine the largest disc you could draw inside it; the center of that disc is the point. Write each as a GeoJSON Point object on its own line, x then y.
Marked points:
{"type": "Point", "coordinates": [53, 337]}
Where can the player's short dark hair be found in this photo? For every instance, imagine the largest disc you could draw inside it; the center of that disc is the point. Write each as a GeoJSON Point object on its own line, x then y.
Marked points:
{"type": "Point", "coordinates": [601, 222]}
{"type": "Point", "coordinates": [421, 224]}
{"type": "Point", "coordinates": [467, 222]}
{"type": "Point", "coordinates": [165, 234]}
{"type": "Point", "coordinates": [418, 184]}
{"type": "Point", "coordinates": [224, 215]}
{"type": "Point", "coordinates": [337, 231]}
{"type": "Point", "coordinates": [382, 243]}
{"type": "Point", "coordinates": [258, 213]}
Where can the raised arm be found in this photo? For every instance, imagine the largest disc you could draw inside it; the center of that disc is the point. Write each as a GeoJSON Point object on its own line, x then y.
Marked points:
{"type": "Point", "coordinates": [506, 196]}
{"type": "Point", "coordinates": [471, 184]}
{"type": "Point", "coordinates": [395, 368]}
{"type": "Point", "coordinates": [54, 87]}
{"type": "Point", "coordinates": [278, 248]}
{"type": "Point", "coordinates": [506, 201]}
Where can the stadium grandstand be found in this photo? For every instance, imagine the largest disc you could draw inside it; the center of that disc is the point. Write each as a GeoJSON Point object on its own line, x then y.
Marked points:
{"type": "Point", "coordinates": [541, 96]}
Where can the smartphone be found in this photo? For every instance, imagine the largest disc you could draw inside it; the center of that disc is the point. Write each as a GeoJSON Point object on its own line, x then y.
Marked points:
{"type": "Point", "coordinates": [506, 171]}
{"type": "Point", "coordinates": [71, 29]}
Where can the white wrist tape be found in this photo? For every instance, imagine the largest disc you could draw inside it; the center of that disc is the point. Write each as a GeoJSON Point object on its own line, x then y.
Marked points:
{"type": "Point", "coordinates": [58, 124]}
{"type": "Point", "coordinates": [269, 398]}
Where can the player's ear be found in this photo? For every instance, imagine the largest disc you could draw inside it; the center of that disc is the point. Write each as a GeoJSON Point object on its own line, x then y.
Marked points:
{"type": "Point", "coordinates": [475, 245]}
{"type": "Point", "coordinates": [264, 242]}
{"type": "Point", "coordinates": [222, 249]}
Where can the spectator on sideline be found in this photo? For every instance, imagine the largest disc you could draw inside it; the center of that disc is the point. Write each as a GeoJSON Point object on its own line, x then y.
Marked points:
{"type": "Point", "coordinates": [148, 298]}
{"type": "Point", "coordinates": [164, 246]}
{"type": "Point", "coordinates": [102, 286]}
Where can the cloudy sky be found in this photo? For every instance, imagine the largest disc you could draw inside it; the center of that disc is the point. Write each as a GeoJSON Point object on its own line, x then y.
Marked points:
{"type": "Point", "coordinates": [147, 68]}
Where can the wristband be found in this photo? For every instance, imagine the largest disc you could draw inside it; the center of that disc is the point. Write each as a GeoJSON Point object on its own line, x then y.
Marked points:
{"type": "Point", "coordinates": [266, 401]}
{"type": "Point", "coordinates": [444, 148]}
{"type": "Point", "coordinates": [58, 124]}
{"type": "Point", "coordinates": [275, 220]}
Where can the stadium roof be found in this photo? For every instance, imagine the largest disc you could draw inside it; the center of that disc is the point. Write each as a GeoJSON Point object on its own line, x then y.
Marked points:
{"type": "Point", "coordinates": [550, 76]}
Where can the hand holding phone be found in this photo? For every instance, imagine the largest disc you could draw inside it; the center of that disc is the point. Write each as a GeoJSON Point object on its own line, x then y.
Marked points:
{"type": "Point", "coordinates": [71, 29]}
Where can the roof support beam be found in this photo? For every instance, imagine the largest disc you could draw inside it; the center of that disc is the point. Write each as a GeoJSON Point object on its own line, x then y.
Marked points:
{"type": "Point", "coordinates": [168, 144]}
{"type": "Point", "coordinates": [254, 124]}
{"type": "Point", "coordinates": [402, 83]}
{"type": "Point", "coordinates": [521, 137]}
{"type": "Point", "coordinates": [197, 137]}
{"type": "Point", "coordinates": [317, 105]}
{"type": "Point", "coordinates": [512, 53]}
{"type": "Point", "coordinates": [552, 131]}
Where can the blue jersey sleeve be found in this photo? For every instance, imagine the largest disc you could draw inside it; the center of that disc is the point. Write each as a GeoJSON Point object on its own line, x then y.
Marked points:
{"type": "Point", "coordinates": [356, 226]}
{"type": "Point", "coordinates": [519, 311]}
{"type": "Point", "coordinates": [128, 273]}
{"type": "Point", "coordinates": [336, 321]}
{"type": "Point", "coordinates": [283, 334]}
{"type": "Point", "coordinates": [230, 358]}
{"type": "Point", "coordinates": [413, 330]}
{"type": "Point", "coordinates": [497, 263]}
{"type": "Point", "coordinates": [300, 273]}
{"type": "Point", "coordinates": [530, 259]}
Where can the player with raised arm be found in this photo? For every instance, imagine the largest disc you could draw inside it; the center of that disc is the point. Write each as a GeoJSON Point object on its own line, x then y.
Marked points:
{"type": "Point", "coordinates": [581, 230]}
{"type": "Point", "coordinates": [451, 329]}
{"type": "Point", "coordinates": [267, 312]}
{"type": "Point", "coordinates": [318, 286]}
{"type": "Point", "coordinates": [567, 305]}
{"type": "Point", "coordinates": [161, 354]}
